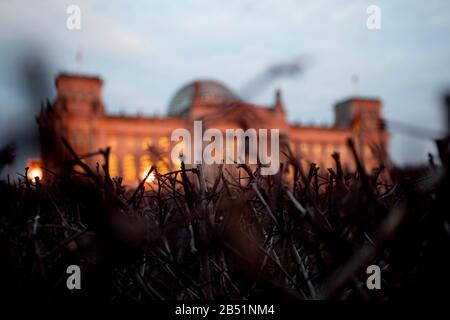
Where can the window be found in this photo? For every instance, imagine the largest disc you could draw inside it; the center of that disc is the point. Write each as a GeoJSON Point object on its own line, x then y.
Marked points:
{"type": "Point", "coordinates": [329, 150]}
{"type": "Point", "coordinates": [79, 139]}
{"type": "Point", "coordinates": [129, 168]}
{"type": "Point", "coordinates": [293, 147]}
{"type": "Point", "coordinates": [144, 165]}
{"type": "Point", "coordinates": [113, 165]}
{"type": "Point", "coordinates": [146, 142]}
{"type": "Point", "coordinates": [163, 144]}
{"type": "Point", "coordinates": [304, 149]}
{"type": "Point", "coordinates": [162, 166]}
{"type": "Point", "coordinates": [317, 151]}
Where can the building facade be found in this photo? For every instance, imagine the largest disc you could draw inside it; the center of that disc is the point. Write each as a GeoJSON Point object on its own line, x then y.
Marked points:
{"type": "Point", "coordinates": [136, 143]}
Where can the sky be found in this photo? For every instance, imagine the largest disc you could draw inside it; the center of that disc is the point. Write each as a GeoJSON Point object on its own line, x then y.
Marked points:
{"type": "Point", "coordinates": [146, 50]}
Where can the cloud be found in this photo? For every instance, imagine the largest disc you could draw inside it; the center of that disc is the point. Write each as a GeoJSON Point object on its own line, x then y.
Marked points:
{"type": "Point", "coordinates": [145, 50]}
{"type": "Point", "coordinates": [46, 24]}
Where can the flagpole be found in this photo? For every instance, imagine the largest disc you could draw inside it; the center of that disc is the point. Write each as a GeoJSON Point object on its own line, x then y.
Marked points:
{"type": "Point", "coordinates": [78, 60]}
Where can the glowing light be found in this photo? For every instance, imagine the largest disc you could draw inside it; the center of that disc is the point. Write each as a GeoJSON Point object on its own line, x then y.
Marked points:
{"type": "Point", "coordinates": [129, 166]}
{"type": "Point", "coordinates": [34, 173]}
{"type": "Point", "coordinates": [150, 178]}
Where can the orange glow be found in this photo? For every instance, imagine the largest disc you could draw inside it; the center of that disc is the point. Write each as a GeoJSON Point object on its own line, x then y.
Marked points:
{"type": "Point", "coordinates": [34, 173]}
{"type": "Point", "coordinates": [150, 178]}
{"type": "Point", "coordinates": [34, 169]}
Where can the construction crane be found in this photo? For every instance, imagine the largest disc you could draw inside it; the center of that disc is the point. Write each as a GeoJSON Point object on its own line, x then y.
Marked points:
{"type": "Point", "coordinates": [412, 130]}
{"type": "Point", "coordinates": [287, 69]}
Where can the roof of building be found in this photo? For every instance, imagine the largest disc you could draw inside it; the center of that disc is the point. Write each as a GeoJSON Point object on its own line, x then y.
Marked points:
{"type": "Point", "coordinates": [79, 76]}
{"type": "Point", "coordinates": [206, 90]}
{"type": "Point", "coordinates": [356, 99]}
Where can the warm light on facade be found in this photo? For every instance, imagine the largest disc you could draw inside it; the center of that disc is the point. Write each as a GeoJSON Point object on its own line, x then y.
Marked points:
{"type": "Point", "coordinates": [138, 143]}
{"type": "Point", "coordinates": [113, 165]}
{"type": "Point", "coordinates": [150, 178]}
{"type": "Point", "coordinates": [129, 166]}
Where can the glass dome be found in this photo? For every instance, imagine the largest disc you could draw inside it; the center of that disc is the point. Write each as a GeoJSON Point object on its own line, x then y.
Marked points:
{"type": "Point", "coordinates": [207, 90]}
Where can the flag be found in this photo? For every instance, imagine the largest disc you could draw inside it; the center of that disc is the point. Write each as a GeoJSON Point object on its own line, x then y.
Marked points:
{"type": "Point", "coordinates": [356, 121]}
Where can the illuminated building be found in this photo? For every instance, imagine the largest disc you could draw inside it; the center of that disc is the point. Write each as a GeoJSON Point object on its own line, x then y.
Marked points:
{"type": "Point", "coordinates": [138, 142]}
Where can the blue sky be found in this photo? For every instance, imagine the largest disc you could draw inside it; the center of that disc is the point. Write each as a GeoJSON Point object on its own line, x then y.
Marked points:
{"type": "Point", "coordinates": [146, 50]}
